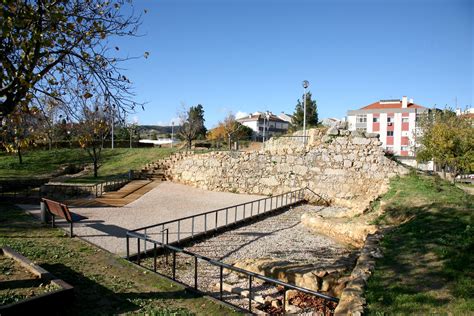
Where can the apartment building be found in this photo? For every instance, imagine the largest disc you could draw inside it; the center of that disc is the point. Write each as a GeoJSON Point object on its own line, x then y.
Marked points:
{"type": "Point", "coordinates": [394, 120]}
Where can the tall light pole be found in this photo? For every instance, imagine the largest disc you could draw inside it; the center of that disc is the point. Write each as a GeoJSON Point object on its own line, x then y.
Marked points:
{"type": "Point", "coordinates": [305, 86]}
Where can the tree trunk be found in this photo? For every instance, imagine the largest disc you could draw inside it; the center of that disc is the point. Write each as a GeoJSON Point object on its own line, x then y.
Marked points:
{"type": "Point", "coordinates": [190, 141]}
{"type": "Point", "coordinates": [95, 162]}
{"type": "Point", "coordinates": [444, 172]}
{"type": "Point", "coordinates": [20, 158]}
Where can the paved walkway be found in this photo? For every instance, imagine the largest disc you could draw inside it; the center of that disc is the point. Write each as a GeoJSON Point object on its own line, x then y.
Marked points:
{"type": "Point", "coordinates": [106, 226]}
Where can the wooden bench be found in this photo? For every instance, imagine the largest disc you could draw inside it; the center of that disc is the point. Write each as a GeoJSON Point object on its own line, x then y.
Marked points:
{"type": "Point", "coordinates": [59, 209]}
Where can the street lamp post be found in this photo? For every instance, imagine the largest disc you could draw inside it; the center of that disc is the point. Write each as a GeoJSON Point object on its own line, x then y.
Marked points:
{"type": "Point", "coordinates": [305, 86]}
{"type": "Point", "coordinates": [267, 117]}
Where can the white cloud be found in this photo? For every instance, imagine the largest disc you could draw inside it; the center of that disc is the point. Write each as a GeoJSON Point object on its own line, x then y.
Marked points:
{"type": "Point", "coordinates": [240, 114]}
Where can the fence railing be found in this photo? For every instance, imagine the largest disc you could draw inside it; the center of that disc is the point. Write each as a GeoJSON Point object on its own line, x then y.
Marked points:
{"type": "Point", "coordinates": [195, 225]}
{"type": "Point", "coordinates": [175, 231]}
{"type": "Point", "coordinates": [97, 189]}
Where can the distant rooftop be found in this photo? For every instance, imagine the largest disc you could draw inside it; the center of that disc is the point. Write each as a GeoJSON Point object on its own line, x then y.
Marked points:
{"type": "Point", "coordinates": [259, 116]}
{"type": "Point", "coordinates": [391, 104]}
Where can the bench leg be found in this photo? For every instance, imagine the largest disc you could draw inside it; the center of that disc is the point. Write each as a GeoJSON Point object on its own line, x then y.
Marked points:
{"type": "Point", "coordinates": [71, 234]}
{"type": "Point", "coordinates": [52, 222]}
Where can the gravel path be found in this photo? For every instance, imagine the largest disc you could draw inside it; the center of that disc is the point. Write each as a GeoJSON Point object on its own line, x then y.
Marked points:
{"type": "Point", "coordinates": [279, 237]}
{"type": "Point", "coordinates": [106, 226]}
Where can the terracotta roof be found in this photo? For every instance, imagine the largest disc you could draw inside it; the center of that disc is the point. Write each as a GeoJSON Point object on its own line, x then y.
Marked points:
{"type": "Point", "coordinates": [394, 105]}
{"type": "Point", "coordinates": [468, 115]}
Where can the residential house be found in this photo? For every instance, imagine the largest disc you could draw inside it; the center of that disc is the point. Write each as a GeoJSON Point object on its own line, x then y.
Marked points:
{"type": "Point", "coordinates": [265, 125]}
{"type": "Point", "coordinates": [394, 120]}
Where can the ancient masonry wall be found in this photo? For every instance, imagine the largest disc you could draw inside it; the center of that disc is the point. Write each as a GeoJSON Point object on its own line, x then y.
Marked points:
{"type": "Point", "coordinates": [347, 169]}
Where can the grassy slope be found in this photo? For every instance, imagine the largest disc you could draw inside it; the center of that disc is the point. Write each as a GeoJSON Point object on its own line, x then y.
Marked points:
{"type": "Point", "coordinates": [428, 264]}
{"type": "Point", "coordinates": [104, 283]}
{"type": "Point", "coordinates": [43, 162]}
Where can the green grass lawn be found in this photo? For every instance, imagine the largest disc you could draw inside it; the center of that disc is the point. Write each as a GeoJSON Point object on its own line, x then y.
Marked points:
{"type": "Point", "coordinates": [104, 283]}
{"type": "Point", "coordinates": [428, 263]}
{"type": "Point", "coordinates": [38, 163]}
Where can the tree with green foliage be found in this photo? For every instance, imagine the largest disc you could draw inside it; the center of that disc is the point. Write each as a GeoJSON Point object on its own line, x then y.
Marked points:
{"type": "Point", "coordinates": [311, 113]}
{"type": "Point", "coordinates": [48, 46]}
{"type": "Point", "coordinates": [192, 124]}
{"type": "Point", "coordinates": [196, 114]}
{"type": "Point", "coordinates": [448, 140]}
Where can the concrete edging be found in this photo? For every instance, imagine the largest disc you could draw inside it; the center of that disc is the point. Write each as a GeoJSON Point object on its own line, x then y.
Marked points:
{"type": "Point", "coordinates": [50, 302]}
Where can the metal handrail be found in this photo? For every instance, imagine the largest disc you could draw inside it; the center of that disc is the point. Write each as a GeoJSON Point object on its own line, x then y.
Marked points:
{"type": "Point", "coordinates": [166, 247]}
{"type": "Point", "coordinates": [251, 275]}
{"type": "Point", "coordinates": [217, 210]}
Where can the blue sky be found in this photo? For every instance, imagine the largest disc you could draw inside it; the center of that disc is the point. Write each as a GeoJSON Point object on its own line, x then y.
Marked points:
{"type": "Point", "coordinates": [252, 55]}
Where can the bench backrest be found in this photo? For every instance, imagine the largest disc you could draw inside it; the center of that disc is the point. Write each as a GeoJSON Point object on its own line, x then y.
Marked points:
{"type": "Point", "coordinates": [58, 209]}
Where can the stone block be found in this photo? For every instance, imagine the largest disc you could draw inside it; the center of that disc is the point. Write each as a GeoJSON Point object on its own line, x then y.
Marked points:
{"type": "Point", "coordinates": [360, 141]}
{"type": "Point", "coordinates": [332, 131]}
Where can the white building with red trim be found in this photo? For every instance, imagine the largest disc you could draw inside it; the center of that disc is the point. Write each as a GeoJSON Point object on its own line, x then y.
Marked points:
{"type": "Point", "coordinates": [394, 120]}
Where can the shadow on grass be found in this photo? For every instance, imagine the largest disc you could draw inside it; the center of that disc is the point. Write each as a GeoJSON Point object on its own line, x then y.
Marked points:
{"type": "Point", "coordinates": [428, 259]}
{"type": "Point", "coordinates": [91, 298]}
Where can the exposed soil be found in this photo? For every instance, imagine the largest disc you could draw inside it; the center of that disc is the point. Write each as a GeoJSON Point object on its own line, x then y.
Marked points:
{"type": "Point", "coordinates": [16, 283]}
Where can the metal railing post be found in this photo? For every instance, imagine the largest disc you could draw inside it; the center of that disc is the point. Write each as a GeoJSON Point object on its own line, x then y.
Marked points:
{"type": "Point", "coordinates": [128, 246]}
{"type": "Point", "coordinates": [174, 265]}
{"type": "Point", "coordinates": [205, 223]}
{"type": "Point", "coordinates": [215, 227]}
{"type": "Point", "coordinates": [154, 256]}
{"type": "Point", "coordinates": [250, 293]}
{"type": "Point", "coordinates": [284, 300]}
{"type": "Point", "coordinates": [244, 211]}
{"type": "Point", "coordinates": [258, 208]}
{"type": "Point", "coordinates": [192, 227]}
{"type": "Point", "coordinates": [221, 277]}
{"type": "Point", "coordinates": [251, 209]}
{"type": "Point", "coordinates": [235, 214]}
{"type": "Point", "coordinates": [226, 216]}
{"type": "Point", "coordinates": [271, 203]}
{"type": "Point", "coordinates": [144, 241]}
{"type": "Point", "coordinates": [138, 252]}
{"type": "Point", "coordinates": [195, 273]}
{"type": "Point", "coordinates": [179, 230]}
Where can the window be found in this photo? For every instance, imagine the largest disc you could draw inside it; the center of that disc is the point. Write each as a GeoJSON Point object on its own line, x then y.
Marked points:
{"type": "Point", "coordinates": [376, 120]}
{"type": "Point", "coordinates": [404, 148]}
{"type": "Point", "coordinates": [389, 133]}
{"type": "Point", "coordinates": [362, 129]}
{"type": "Point", "coordinates": [361, 118]}
{"type": "Point", "coordinates": [389, 149]}
{"type": "Point", "coordinates": [404, 119]}
{"type": "Point", "coordinates": [389, 119]}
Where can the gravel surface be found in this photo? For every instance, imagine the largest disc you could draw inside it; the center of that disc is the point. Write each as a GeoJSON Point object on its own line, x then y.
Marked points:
{"type": "Point", "coordinates": [279, 237]}
{"type": "Point", "coordinates": [106, 226]}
